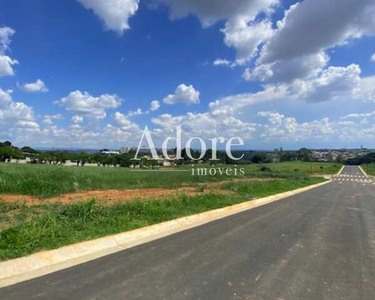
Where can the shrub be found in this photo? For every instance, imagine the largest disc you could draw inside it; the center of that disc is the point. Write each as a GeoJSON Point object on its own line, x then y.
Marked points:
{"type": "Point", "coordinates": [265, 169]}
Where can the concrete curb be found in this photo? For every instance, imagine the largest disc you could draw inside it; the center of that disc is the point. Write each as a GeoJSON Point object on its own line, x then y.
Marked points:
{"type": "Point", "coordinates": [363, 171]}
{"type": "Point", "coordinates": [342, 168]}
{"type": "Point", "coordinates": [39, 264]}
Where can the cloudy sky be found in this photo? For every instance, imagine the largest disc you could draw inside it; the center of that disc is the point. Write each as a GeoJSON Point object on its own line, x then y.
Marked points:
{"type": "Point", "coordinates": [93, 74]}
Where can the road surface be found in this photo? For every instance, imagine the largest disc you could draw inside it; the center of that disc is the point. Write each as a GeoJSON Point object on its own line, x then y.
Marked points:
{"type": "Point", "coordinates": [316, 245]}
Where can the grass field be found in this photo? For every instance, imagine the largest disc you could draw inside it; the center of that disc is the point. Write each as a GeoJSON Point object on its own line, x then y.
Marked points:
{"type": "Point", "coordinates": [369, 169]}
{"type": "Point", "coordinates": [46, 181]}
{"type": "Point", "coordinates": [28, 229]}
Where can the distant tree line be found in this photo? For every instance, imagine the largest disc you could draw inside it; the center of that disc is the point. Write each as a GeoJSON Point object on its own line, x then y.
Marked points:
{"type": "Point", "coordinates": [8, 151]}
{"type": "Point", "coordinates": [367, 159]}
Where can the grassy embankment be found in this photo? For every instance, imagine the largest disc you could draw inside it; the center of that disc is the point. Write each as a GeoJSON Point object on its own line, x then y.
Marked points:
{"type": "Point", "coordinates": [47, 181]}
{"type": "Point", "coordinates": [28, 229]}
{"type": "Point", "coordinates": [369, 169]}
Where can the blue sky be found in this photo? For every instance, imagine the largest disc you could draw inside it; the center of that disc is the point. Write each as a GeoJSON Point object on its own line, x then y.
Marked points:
{"type": "Point", "coordinates": [92, 74]}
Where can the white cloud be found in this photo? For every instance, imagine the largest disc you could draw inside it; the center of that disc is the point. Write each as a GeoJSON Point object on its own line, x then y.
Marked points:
{"type": "Point", "coordinates": [56, 117]}
{"type": "Point", "coordinates": [373, 57]}
{"type": "Point", "coordinates": [34, 87]}
{"type": "Point", "coordinates": [5, 98]}
{"type": "Point", "coordinates": [224, 118]}
{"type": "Point", "coordinates": [235, 103]}
{"type": "Point", "coordinates": [83, 104]}
{"type": "Point", "coordinates": [114, 13]}
{"type": "Point", "coordinates": [124, 123]}
{"type": "Point", "coordinates": [367, 88]}
{"type": "Point", "coordinates": [279, 128]}
{"type": "Point", "coordinates": [26, 131]}
{"type": "Point", "coordinates": [137, 112]}
{"type": "Point", "coordinates": [5, 35]}
{"type": "Point", "coordinates": [155, 105]}
{"type": "Point", "coordinates": [27, 125]}
{"type": "Point", "coordinates": [77, 119]}
{"type": "Point", "coordinates": [268, 127]}
{"type": "Point", "coordinates": [249, 30]}
{"type": "Point", "coordinates": [6, 63]}
{"type": "Point", "coordinates": [296, 48]}
{"type": "Point", "coordinates": [246, 36]}
{"type": "Point", "coordinates": [212, 11]}
{"type": "Point", "coordinates": [205, 125]}
{"type": "Point", "coordinates": [222, 62]}
{"type": "Point", "coordinates": [183, 94]}
{"type": "Point", "coordinates": [288, 70]}
{"type": "Point", "coordinates": [15, 115]}
{"type": "Point", "coordinates": [360, 115]}
{"type": "Point", "coordinates": [10, 110]}
{"type": "Point", "coordinates": [334, 83]}
{"type": "Point", "coordinates": [273, 116]}
{"type": "Point", "coordinates": [241, 30]}
{"type": "Point", "coordinates": [48, 119]}
{"type": "Point", "coordinates": [297, 73]}
{"type": "Point", "coordinates": [303, 32]}
{"type": "Point", "coordinates": [16, 111]}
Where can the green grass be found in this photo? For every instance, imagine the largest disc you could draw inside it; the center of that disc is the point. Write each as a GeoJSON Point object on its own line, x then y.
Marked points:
{"type": "Point", "coordinates": [369, 169]}
{"type": "Point", "coordinates": [301, 167]}
{"type": "Point", "coordinates": [25, 230]}
{"type": "Point", "coordinates": [46, 181]}
{"type": "Point", "coordinates": [288, 167]}
{"type": "Point", "coordinates": [28, 229]}
{"type": "Point", "coordinates": [262, 189]}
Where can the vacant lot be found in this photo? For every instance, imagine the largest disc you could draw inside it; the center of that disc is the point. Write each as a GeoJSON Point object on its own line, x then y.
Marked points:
{"type": "Point", "coordinates": [144, 198]}
{"type": "Point", "coordinates": [26, 229]}
{"type": "Point", "coordinates": [46, 181]}
{"type": "Point", "coordinates": [369, 169]}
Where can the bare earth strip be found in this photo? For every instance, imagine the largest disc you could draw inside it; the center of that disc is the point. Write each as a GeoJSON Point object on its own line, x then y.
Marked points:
{"type": "Point", "coordinates": [121, 195]}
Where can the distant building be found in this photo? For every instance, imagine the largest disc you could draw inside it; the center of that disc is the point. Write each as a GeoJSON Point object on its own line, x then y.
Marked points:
{"type": "Point", "coordinates": [124, 150]}
{"type": "Point", "coordinates": [109, 152]}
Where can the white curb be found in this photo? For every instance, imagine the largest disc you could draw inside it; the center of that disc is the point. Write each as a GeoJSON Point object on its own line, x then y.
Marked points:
{"type": "Point", "coordinates": [342, 168]}
{"type": "Point", "coordinates": [39, 264]}
{"type": "Point", "coordinates": [363, 171]}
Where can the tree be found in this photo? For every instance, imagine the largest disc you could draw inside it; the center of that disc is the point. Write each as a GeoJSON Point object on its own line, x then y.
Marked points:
{"type": "Point", "coordinates": [339, 158]}
{"type": "Point", "coordinates": [304, 154]}
{"type": "Point", "coordinates": [259, 158]}
{"type": "Point", "coordinates": [288, 156]}
{"type": "Point", "coordinates": [208, 155]}
{"type": "Point", "coordinates": [225, 159]}
{"type": "Point", "coordinates": [123, 160]}
{"type": "Point", "coordinates": [6, 144]}
{"type": "Point", "coordinates": [28, 149]}
{"type": "Point", "coordinates": [186, 159]}
{"type": "Point", "coordinates": [367, 159]}
{"type": "Point", "coordinates": [9, 153]}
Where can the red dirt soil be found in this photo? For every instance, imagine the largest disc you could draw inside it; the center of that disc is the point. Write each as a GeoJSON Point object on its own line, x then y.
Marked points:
{"type": "Point", "coordinates": [113, 196]}
{"type": "Point", "coordinates": [108, 196]}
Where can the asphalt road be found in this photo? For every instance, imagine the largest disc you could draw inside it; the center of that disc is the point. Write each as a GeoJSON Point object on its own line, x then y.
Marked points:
{"type": "Point", "coordinates": [316, 245]}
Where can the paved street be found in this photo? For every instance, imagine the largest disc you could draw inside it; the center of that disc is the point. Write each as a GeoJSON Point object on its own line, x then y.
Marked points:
{"type": "Point", "coordinates": [315, 245]}
{"type": "Point", "coordinates": [353, 174]}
